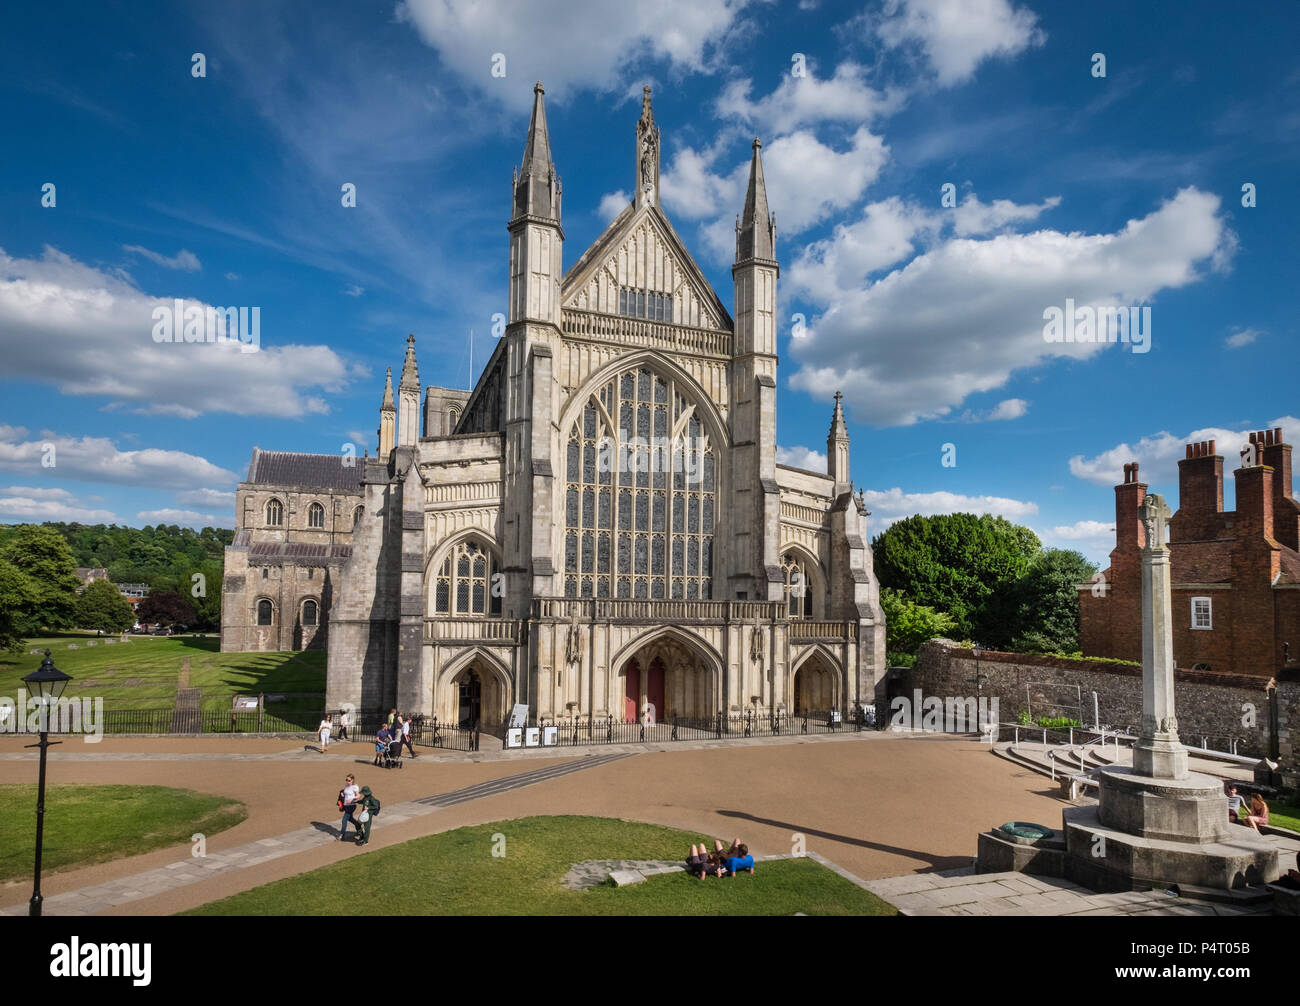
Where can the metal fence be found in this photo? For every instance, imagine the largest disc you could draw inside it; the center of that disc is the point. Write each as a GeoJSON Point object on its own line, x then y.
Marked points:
{"type": "Point", "coordinates": [582, 730]}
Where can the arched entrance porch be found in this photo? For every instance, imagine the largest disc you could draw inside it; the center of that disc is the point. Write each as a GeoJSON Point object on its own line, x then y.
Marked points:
{"type": "Point", "coordinates": [815, 688]}
{"type": "Point", "coordinates": [473, 690]}
{"type": "Point", "coordinates": [666, 678]}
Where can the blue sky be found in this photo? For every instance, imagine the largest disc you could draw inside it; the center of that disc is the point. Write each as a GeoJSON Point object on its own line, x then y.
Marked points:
{"type": "Point", "coordinates": [1122, 190]}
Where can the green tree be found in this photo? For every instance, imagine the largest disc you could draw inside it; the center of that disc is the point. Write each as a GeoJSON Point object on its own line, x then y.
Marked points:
{"type": "Point", "coordinates": [954, 563]}
{"type": "Point", "coordinates": [18, 606]}
{"type": "Point", "coordinates": [1046, 602]}
{"type": "Point", "coordinates": [44, 555]}
{"type": "Point", "coordinates": [102, 607]}
{"type": "Point", "coordinates": [165, 607]}
{"type": "Point", "coordinates": [908, 624]}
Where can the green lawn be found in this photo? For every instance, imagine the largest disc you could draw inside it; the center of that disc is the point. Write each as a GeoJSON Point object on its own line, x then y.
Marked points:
{"type": "Point", "coordinates": [456, 873]}
{"type": "Point", "coordinates": [1284, 815]}
{"type": "Point", "coordinates": [93, 824]}
{"type": "Point", "coordinates": [153, 663]}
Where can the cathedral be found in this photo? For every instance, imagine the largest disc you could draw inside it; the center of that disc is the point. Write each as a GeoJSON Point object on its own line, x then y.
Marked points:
{"type": "Point", "coordinates": [599, 528]}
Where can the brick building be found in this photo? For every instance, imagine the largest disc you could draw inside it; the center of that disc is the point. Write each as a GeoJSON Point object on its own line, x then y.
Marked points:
{"type": "Point", "coordinates": [1236, 573]}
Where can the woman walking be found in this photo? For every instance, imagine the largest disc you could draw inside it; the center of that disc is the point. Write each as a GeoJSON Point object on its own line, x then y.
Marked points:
{"type": "Point", "coordinates": [348, 797]}
{"type": "Point", "coordinates": [326, 726]}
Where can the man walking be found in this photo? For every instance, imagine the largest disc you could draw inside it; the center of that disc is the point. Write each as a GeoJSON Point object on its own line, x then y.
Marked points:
{"type": "Point", "coordinates": [343, 725]}
{"type": "Point", "coordinates": [405, 722]}
{"type": "Point", "coordinates": [367, 808]}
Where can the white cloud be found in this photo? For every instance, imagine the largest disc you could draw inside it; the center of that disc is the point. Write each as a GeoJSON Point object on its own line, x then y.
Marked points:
{"type": "Point", "coordinates": [972, 217]}
{"type": "Point", "coordinates": [102, 326]}
{"type": "Point", "coordinates": [1085, 530]}
{"type": "Point", "coordinates": [186, 518]}
{"type": "Point", "coordinates": [1011, 408]}
{"type": "Point", "coordinates": [183, 260]}
{"type": "Point", "coordinates": [959, 318]}
{"type": "Point", "coordinates": [207, 497]}
{"type": "Point", "coordinates": [612, 204]}
{"type": "Point", "coordinates": [806, 182]}
{"type": "Point", "coordinates": [883, 236]}
{"type": "Point", "coordinates": [804, 101]}
{"type": "Point", "coordinates": [801, 457]}
{"type": "Point", "coordinates": [354, 291]}
{"type": "Point", "coordinates": [1158, 454]}
{"type": "Point", "coordinates": [360, 438]}
{"type": "Point", "coordinates": [24, 503]}
{"type": "Point", "coordinates": [569, 45]}
{"type": "Point", "coordinates": [1241, 337]}
{"type": "Point", "coordinates": [956, 36]}
{"type": "Point", "coordinates": [892, 505]}
{"type": "Point", "coordinates": [96, 459]}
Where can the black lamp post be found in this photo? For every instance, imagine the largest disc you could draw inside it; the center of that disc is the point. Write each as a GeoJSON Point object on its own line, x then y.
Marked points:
{"type": "Point", "coordinates": [48, 682]}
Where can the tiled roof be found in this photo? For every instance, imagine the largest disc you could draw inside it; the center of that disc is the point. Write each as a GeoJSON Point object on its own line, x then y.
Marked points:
{"type": "Point", "coordinates": [308, 471]}
{"type": "Point", "coordinates": [268, 552]}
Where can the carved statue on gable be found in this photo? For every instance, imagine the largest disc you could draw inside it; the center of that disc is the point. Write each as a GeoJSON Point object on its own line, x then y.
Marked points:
{"type": "Point", "coordinates": [1155, 514]}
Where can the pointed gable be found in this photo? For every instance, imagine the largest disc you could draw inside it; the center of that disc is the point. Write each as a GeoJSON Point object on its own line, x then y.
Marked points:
{"type": "Point", "coordinates": [640, 251]}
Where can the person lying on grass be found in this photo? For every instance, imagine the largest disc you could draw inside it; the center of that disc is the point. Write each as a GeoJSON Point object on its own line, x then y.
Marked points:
{"type": "Point", "coordinates": [697, 863]}
{"type": "Point", "coordinates": [734, 859]}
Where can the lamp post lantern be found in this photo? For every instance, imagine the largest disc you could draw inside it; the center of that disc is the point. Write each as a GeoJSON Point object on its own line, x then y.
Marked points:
{"type": "Point", "coordinates": [48, 683]}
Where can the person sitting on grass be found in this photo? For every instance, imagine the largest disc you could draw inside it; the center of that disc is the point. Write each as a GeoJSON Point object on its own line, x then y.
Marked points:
{"type": "Point", "coordinates": [1258, 812]}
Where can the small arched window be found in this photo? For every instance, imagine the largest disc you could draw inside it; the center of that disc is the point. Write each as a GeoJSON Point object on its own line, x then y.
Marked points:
{"type": "Point", "coordinates": [453, 417]}
{"type": "Point", "coordinates": [357, 514]}
{"type": "Point", "coordinates": [468, 582]}
{"type": "Point", "coordinates": [316, 516]}
{"type": "Point", "coordinates": [274, 513]}
{"type": "Point", "coordinates": [798, 597]}
{"type": "Point", "coordinates": [310, 613]}
{"type": "Point", "coordinates": [265, 610]}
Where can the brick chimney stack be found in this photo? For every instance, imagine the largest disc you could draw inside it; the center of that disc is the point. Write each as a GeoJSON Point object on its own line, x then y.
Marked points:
{"type": "Point", "coordinates": [1286, 510]}
{"type": "Point", "coordinates": [1255, 490]}
{"type": "Point", "coordinates": [1130, 532]}
{"type": "Point", "coordinates": [1200, 493]}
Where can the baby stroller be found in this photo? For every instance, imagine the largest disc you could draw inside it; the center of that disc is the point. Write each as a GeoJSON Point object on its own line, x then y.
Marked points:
{"type": "Point", "coordinates": [388, 755]}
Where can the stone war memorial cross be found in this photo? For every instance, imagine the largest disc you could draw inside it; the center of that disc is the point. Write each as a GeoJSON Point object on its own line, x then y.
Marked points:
{"type": "Point", "coordinates": [1159, 753]}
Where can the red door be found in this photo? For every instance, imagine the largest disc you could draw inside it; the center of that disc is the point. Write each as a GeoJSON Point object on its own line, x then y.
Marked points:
{"type": "Point", "coordinates": [632, 694]}
{"type": "Point", "coordinates": [655, 688]}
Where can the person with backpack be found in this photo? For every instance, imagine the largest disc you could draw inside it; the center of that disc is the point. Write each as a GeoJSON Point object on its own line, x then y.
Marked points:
{"type": "Point", "coordinates": [367, 809]}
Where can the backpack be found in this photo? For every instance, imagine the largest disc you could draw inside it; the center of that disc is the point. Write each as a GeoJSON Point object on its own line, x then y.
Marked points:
{"type": "Point", "coordinates": [340, 799]}
{"type": "Point", "coordinates": [374, 811]}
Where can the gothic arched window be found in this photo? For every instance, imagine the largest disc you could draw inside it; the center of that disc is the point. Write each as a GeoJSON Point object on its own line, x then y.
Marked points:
{"type": "Point", "coordinates": [274, 513]}
{"type": "Point", "coordinates": [265, 612]}
{"type": "Point", "coordinates": [641, 483]}
{"type": "Point", "coordinates": [798, 596]}
{"type": "Point", "coordinates": [310, 613]}
{"type": "Point", "coordinates": [357, 514]}
{"type": "Point", "coordinates": [316, 516]}
{"type": "Point", "coordinates": [467, 582]}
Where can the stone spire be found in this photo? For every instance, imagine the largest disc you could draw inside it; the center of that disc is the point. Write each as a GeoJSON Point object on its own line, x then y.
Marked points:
{"type": "Point", "coordinates": [756, 227]}
{"type": "Point", "coordinates": [647, 154]}
{"type": "Point", "coordinates": [536, 185]}
{"type": "Point", "coordinates": [837, 448]}
{"type": "Point", "coordinates": [410, 370]}
{"type": "Point", "coordinates": [408, 398]}
{"type": "Point", "coordinates": [387, 419]}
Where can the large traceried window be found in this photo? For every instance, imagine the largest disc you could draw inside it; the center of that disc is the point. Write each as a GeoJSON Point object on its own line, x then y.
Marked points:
{"type": "Point", "coordinates": [316, 516]}
{"type": "Point", "coordinates": [274, 513]}
{"type": "Point", "coordinates": [464, 585]}
{"type": "Point", "coordinates": [640, 494]}
{"type": "Point", "coordinates": [798, 598]}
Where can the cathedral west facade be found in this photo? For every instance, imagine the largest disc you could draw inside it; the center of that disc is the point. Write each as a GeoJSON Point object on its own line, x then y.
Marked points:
{"type": "Point", "coordinates": [599, 528]}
